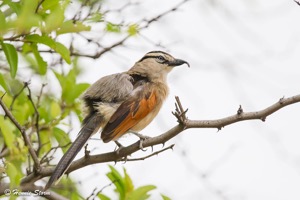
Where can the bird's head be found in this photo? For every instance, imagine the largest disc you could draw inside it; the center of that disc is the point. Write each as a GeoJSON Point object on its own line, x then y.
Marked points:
{"type": "Point", "coordinates": [156, 64]}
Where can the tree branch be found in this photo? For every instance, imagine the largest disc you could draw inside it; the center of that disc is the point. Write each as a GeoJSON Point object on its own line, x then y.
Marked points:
{"type": "Point", "coordinates": [164, 137]}
{"type": "Point", "coordinates": [242, 116]}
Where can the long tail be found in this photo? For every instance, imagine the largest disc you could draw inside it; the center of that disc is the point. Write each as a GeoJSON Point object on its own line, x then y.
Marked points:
{"type": "Point", "coordinates": [91, 123]}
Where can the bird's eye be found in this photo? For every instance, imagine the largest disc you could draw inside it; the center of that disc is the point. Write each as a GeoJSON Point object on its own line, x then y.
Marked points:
{"type": "Point", "coordinates": [161, 59]}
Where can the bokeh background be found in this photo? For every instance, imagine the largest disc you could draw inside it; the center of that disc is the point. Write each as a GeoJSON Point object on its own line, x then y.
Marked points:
{"type": "Point", "coordinates": [241, 52]}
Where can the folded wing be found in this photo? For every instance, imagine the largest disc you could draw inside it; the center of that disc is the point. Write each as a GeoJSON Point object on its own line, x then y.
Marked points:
{"type": "Point", "coordinates": [142, 101]}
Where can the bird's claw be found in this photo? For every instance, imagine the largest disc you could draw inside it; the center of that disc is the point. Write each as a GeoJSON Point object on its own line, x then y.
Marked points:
{"type": "Point", "coordinates": [119, 147]}
{"type": "Point", "coordinates": [142, 139]}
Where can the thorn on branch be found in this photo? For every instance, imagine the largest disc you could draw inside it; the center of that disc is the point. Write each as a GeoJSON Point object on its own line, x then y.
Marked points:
{"type": "Point", "coordinates": [263, 119]}
{"type": "Point", "coordinates": [86, 151]}
{"type": "Point", "coordinates": [240, 110]}
{"type": "Point", "coordinates": [297, 2]}
{"type": "Point", "coordinates": [281, 100]}
{"type": "Point", "coordinates": [172, 147]}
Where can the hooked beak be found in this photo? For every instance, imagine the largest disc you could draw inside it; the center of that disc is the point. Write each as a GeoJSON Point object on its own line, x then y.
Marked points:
{"type": "Point", "coordinates": [178, 62]}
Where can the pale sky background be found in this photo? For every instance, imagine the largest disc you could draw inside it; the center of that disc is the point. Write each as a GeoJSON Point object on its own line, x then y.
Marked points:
{"type": "Point", "coordinates": [241, 53]}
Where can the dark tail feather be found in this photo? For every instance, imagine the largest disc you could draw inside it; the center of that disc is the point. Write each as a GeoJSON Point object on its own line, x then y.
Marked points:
{"type": "Point", "coordinates": [91, 122]}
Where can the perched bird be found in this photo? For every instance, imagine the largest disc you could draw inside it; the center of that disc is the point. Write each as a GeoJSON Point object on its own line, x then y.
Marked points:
{"type": "Point", "coordinates": [121, 103]}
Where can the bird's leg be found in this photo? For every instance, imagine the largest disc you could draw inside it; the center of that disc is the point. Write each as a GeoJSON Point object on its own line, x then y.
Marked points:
{"type": "Point", "coordinates": [120, 146]}
{"type": "Point", "coordinates": [142, 138]}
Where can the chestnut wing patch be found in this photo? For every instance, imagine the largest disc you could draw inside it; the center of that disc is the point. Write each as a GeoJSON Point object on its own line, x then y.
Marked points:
{"type": "Point", "coordinates": [129, 114]}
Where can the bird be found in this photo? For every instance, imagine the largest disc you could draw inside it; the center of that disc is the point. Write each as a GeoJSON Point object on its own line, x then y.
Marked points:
{"type": "Point", "coordinates": [120, 103]}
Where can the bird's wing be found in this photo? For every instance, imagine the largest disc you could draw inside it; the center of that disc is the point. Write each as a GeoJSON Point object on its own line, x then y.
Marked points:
{"type": "Point", "coordinates": [111, 88]}
{"type": "Point", "coordinates": [142, 101]}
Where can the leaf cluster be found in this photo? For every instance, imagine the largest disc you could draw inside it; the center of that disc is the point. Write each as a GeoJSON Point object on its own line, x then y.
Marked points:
{"type": "Point", "coordinates": [37, 48]}
{"type": "Point", "coordinates": [125, 189]}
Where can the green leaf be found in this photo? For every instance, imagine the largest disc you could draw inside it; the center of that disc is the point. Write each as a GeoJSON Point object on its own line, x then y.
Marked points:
{"type": "Point", "coordinates": [22, 110]}
{"type": "Point", "coordinates": [14, 174]}
{"type": "Point", "coordinates": [54, 20]}
{"type": "Point", "coordinates": [50, 4]}
{"type": "Point", "coordinates": [67, 182]}
{"type": "Point", "coordinates": [27, 18]}
{"type": "Point", "coordinates": [55, 109]}
{"type": "Point", "coordinates": [41, 39]}
{"type": "Point", "coordinates": [63, 51]}
{"type": "Point", "coordinates": [2, 23]}
{"type": "Point", "coordinates": [141, 193]}
{"type": "Point", "coordinates": [12, 57]}
{"type": "Point", "coordinates": [6, 129]}
{"type": "Point", "coordinates": [74, 92]}
{"type": "Point", "coordinates": [70, 90]}
{"type": "Point", "coordinates": [103, 197]}
{"type": "Point", "coordinates": [115, 28]}
{"type": "Point", "coordinates": [15, 6]}
{"type": "Point", "coordinates": [164, 197]}
{"type": "Point", "coordinates": [41, 64]}
{"type": "Point", "coordinates": [118, 181]}
{"type": "Point", "coordinates": [132, 29]}
{"type": "Point", "coordinates": [129, 187]}
{"type": "Point", "coordinates": [50, 110]}
{"type": "Point", "coordinates": [95, 17]}
{"type": "Point", "coordinates": [56, 46]}
{"type": "Point", "coordinates": [66, 82]}
{"type": "Point", "coordinates": [62, 138]}
{"type": "Point", "coordinates": [61, 79]}
{"type": "Point", "coordinates": [11, 86]}
{"type": "Point", "coordinates": [70, 27]}
{"type": "Point", "coordinates": [45, 141]}
{"type": "Point", "coordinates": [3, 83]}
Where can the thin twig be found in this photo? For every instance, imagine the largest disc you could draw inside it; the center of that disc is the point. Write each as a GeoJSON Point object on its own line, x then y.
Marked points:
{"type": "Point", "coordinates": [17, 95]}
{"type": "Point", "coordinates": [23, 132]}
{"type": "Point", "coordinates": [150, 155]}
{"type": "Point", "coordinates": [37, 119]}
{"type": "Point", "coordinates": [94, 193]}
{"type": "Point", "coordinates": [156, 18]}
{"type": "Point", "coordinates": [53, 149]}
{"type": "Point", "coordinates": [38, 6]}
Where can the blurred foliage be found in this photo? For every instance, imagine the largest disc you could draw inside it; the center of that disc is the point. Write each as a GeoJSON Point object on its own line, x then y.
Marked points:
{"type": "Point", "coordinates": [36, 46]}
{"type": "Point", "coordinates": [125, 189]}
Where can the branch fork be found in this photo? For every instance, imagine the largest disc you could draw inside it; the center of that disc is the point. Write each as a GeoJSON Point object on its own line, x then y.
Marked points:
{"type": "Point", "coordinates": [180, 113]}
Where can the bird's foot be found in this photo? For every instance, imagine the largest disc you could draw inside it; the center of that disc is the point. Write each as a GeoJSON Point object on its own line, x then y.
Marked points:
{"type": "Point", "coordinates": [119, 147]}
{"type": "Point", "coordinates": [142, 139]}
